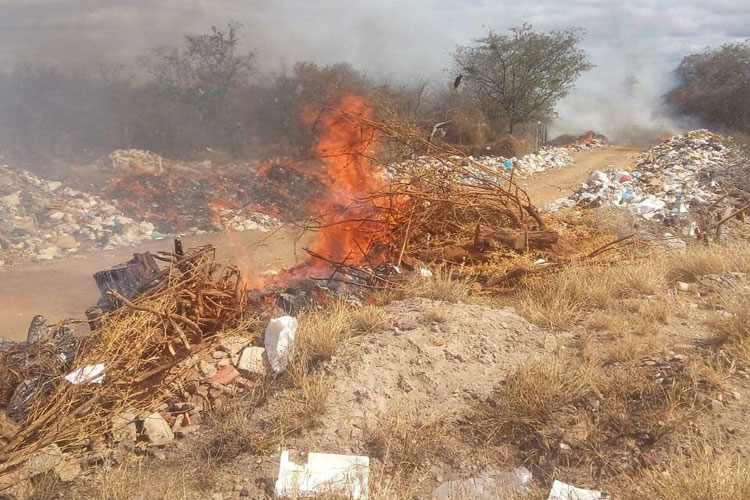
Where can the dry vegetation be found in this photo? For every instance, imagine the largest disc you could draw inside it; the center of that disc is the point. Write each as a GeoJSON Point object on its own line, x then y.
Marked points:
{"type": "Point", "coordinates": [593, 410]}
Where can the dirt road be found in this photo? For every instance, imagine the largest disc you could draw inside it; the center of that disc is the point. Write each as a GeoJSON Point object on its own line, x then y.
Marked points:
{"type": "Point", "coordinates": [553, 184]}
{"type": "Point", "coordinates": [64, 288]}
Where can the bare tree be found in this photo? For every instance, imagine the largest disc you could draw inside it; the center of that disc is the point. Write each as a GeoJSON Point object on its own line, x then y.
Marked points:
{"type": "Point", "coordinates": [519, 77]}
{"type": "Point", "coordinates": [204, 70]}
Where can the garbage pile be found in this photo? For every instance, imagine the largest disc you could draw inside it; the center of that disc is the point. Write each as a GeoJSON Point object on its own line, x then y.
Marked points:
{"type": "Point", "coordinates": [672, 183]}
{"type": "Point", "coordinates": [136, 160]}
{"type": "Point", "coordinates": [541, 161]}
{"type": "Point", "coordinates": [189, 198]}
{"type": "Point", "coordinates": [42, 219]}
{"type": "Point", "coordinates": [588, 141]}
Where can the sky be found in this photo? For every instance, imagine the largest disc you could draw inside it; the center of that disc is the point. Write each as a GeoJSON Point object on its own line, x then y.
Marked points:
{"type": "Point", "coordinates": [635, 44]}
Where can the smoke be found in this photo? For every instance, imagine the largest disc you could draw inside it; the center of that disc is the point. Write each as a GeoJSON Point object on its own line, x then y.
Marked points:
{"type": "Point", "coordinates": [635, 46]}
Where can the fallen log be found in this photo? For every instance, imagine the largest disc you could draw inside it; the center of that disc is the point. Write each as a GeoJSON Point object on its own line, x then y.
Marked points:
{"type": "Point", "coordinates": [514, 239]}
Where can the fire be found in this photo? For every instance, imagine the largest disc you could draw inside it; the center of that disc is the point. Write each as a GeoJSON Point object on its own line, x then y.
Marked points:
{"type": "Point", "coordinates": [346, 224]}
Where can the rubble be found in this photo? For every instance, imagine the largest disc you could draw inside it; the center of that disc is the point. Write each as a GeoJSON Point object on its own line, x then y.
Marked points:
{"type": "Point", "coordinates": [136, 160]}
{"type": "Point", "coordinates": [672, 183]}
{"type": "Point", "coordinates": [252, 361]}
{"type": "Point", "coordinates": [43, 220]}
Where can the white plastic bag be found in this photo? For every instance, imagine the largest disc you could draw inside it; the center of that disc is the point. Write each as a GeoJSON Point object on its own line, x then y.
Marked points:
{"type": "Point", "coordinates": [563, 491]}
{"type": "Point", "coordinates": [89, 374]}
{"type": "Point", "coordinates": [279, 336]}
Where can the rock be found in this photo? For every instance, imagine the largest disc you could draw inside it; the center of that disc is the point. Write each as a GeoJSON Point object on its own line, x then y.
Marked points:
{"type": "Point", "coordinates": [717, 405]}
{"type": "Point", "coordinates": [183, 432]}
{"type": "Point", "coordinates": [233, 345]}
{"type": "Point", "coordinates": [157, 454]}
{"type": "Point", "coordinates": [68, 470]}
{"type": "Point", "coordinates": [66, 241]}
{"type": "Point", "coordinates": [207, 369]}
{"type": "Point", "coordinates": [408, 325]}
{"type": "Point", "coordinates": [682, 286]}
{"type": "Point", "coordinates": [124, 428]}
{"type": "Point", "coordinates": [156, 429]}
{"type": "Point", "coordinates": [223, 362]}
{"type": "Point", "coordinates": [42, 461]}
{"type": "Point", "coordinates": [219, 355]}
{"type": "Point", "coordinates": [252, 360]}
{"type": "Point", "coordinates": [225, 376]}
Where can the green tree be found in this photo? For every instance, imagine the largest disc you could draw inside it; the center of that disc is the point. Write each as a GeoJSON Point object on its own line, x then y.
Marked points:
{"type": "Point", "coordinates": [714, 86]}
{"type": "Point", "coordinates": [519, 77]}
{"type": "Point", "coordinates": [203, 71]}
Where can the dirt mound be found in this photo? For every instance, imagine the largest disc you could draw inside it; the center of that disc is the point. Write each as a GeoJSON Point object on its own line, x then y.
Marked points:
{"type": "Point", "coordinates": [434, 357]}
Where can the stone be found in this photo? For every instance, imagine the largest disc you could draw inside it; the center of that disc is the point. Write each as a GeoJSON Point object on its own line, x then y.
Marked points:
{"type": "Point", "coordinates": [156, 429]}
{"type": "Point", "coordinates": [219, 355]}
{"type": "Point", "coordinates": [68, 470]}
{"type": "Point", "coordinates": [66, 241]}
{"type": "Point", "coordinates": [223, 362]}
{"type": "Point", "coordinates": [252, 360]}
{"type": "Point", "coordinates": [42, 461]}
{"type": "Point", "coordinates": [123, 427]}
{"type": "Point", "coordinates": [183, 432]}
{"type": "Point", "coordinates": [207, 369]}
{"type": "Point", "coordinates": [225, 376]}
{"type": "Point", "coordinates": [682, 286]}
{"type": "Point", "coordinates": [234, 344]}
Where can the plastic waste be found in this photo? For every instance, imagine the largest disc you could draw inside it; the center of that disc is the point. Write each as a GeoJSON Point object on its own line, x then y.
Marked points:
{"type": "Point", "coordinates": [89, 374]}
{"type": "Point", "coordinates": [488, 486]}
{"type": "Point", "coordinates": [324, 473]}
{"type": "Point", "coordinates": [563, 491]}
{"type": "Point", "coordinates": [425, 273]}
{"type": "Point", "coordinates": [279, 336]}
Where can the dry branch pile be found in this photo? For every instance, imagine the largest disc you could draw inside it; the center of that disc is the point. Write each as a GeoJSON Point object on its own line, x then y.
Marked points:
{"type": "Point", "coordinates": [141, 345]}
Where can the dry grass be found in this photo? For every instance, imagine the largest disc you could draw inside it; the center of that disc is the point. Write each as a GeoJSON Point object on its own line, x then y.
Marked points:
{"type": "Point", "coordinates": [437, 314]}
{"type": "Point", "coordinates": [136, 481]}
{"type": "Point", "coordinates": [589, 407]}
{"type": "Point", "coordinates": [703, 478]}
{"type": "Point", "coordinates": [368, 320]}
{"type": "Point", "coordinates": [443, 285]}
{"type": "Point", "coordinates": [734, 329]}
{"type": "Point", "coordinates": [562, 300]}
{"type": "Point", "coordinates": [405, 443]}
{"type": "Point", "coordinates": [699, 261]}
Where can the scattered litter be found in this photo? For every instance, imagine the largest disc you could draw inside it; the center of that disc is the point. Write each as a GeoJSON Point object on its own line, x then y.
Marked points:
{"type": "Point", "coordinates": [324, 473]}
{"type": "Point", "coordinates": [488, 486]}
{"type": "Point", "coordinates": [89, 374]}
{"type": "Point", "coordinates": [279, 336]}
{"type": "Point", "coordinates": [425, 273]}
{"type": "Point", "coordinates": [563, 491]}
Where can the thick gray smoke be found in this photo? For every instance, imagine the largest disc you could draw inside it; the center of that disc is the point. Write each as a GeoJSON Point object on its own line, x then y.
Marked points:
{"type": "Point", "coordinates": [635, 46]}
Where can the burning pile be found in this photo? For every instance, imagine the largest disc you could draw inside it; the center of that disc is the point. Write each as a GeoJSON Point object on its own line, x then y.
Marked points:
{"type": "Point", "coordinates": [43, 219]}
{"type": "Point", "coordinates": [673, 183]}
{"type": "Point", "coordinates": [588, 141]}
{"type": "Point", "coordinates": [192, 198]}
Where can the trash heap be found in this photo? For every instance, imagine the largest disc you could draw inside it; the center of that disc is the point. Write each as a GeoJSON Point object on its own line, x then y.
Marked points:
{"type": "Point", "coordinates": [42, 219]}
{"type": "Point", "coordinates": [136, 160]}
{"type": "Point", "coordinates": [672, 183]}
{"type": "Point", "coordinates": [541, 161]}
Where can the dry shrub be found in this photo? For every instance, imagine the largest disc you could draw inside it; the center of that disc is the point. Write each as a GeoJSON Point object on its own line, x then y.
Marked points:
{"type": "Point", "coordinates": [319, 335]}
{"type": "Point", "coordinates": [306, 403]}
{"type": "Point", "coordinates": [163, 482]}
{"type": "Point", "coordinates": [442, 285]}
{"type": "Point", "coordinates": [437, 314]}
{"type": "Point", "coordinates": [369, 319]}
{"type": "Point", "coordinates": [699, 261]}
{"type": "Point", "coordinates": [404, 443]}
{"type": "Point", "coordinates": [703, 478]}
{"type": "Point", "coordinates": [591, 408]}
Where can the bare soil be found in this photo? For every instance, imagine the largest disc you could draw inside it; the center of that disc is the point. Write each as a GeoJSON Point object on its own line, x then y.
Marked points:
{"type": "Point", "coordinates": [553, 184]}
{"type": "Point", "coordinates": [63, 289]}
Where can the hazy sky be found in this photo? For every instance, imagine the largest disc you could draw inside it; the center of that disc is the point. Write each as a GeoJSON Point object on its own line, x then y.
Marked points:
{"type": "Point", "coordinates": [635, 43]}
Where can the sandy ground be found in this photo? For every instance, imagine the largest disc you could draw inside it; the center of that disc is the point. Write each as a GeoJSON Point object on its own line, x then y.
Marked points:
{"type": "Point", "coordinates": [548, 186]}
{"type": "Point", "coordinates": [63, 289]}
